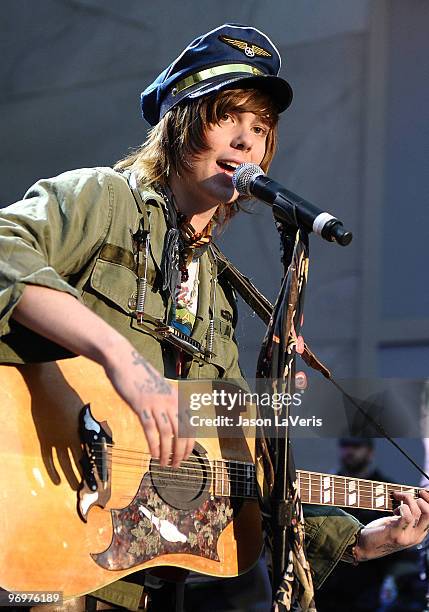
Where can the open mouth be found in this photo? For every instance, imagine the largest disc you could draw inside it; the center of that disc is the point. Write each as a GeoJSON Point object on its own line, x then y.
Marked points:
{"type": "Point", "coordinates": [228, 166]}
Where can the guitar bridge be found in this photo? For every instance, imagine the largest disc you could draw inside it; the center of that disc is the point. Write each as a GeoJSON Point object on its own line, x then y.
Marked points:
{"type": "Point", "coordinates": [95, 441]}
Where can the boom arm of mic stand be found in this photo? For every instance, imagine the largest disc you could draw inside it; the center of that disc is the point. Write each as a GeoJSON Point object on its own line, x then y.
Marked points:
{"type": "Point", "coordinates": [285, 211]}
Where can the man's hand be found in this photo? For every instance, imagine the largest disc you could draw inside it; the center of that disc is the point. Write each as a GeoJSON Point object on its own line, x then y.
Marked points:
{"type": "Point", "coordinates": [389, 534]}
{"type": "Point", "coordinates": [61, 318]}
{"type": "Point", "coordinates": [155, 400]}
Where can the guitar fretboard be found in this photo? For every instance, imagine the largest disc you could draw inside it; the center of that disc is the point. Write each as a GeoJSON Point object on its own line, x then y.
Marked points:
{"type": "Point", "coordinates": [349, 492]}
{"type": "Point", "coordinates": [237, 479]}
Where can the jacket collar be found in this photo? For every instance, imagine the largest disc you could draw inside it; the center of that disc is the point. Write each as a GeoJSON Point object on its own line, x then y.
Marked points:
{"type": "Point", "coordinates": [156, 210]}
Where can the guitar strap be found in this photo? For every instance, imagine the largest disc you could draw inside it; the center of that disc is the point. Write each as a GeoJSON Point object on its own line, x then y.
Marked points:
{"type": "Point", "coordinates": [260, 304]}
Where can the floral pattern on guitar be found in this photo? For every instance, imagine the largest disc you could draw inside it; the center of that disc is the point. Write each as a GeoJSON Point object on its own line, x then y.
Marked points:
{"type": "Point", "coordinates": [149, 527]}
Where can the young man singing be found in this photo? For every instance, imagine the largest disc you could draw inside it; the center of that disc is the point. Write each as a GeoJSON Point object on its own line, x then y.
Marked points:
{"type": "Point", "coordinates": [74, 249]}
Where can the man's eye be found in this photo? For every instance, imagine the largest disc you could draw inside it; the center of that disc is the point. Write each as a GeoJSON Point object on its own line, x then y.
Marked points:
{"type": "Point", "coordinates": [225, 117]}
{"type": "Point", "coordinates": [260, 130]}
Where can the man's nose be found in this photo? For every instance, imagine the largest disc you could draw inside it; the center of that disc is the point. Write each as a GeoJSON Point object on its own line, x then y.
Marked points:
{"type": "Point", "coordinates": [242, 140]}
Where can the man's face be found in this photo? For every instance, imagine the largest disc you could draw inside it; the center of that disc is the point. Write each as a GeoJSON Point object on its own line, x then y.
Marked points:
{"type": "Point", "coordinates": [239, 137]}
{"type": "Point", "coordinates": [355, 458]}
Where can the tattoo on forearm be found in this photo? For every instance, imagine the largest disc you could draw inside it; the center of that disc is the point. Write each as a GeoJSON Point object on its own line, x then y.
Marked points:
{"type": "Point", "coordinates": [387, 549]}
{"type": "Point", "coordinates": [155, 382]}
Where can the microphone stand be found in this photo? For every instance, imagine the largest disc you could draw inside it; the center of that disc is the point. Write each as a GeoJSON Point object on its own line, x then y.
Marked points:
{"type": "Point", "coordinates": [281, 496]}
{"type": "Point", "coordinates": [276, 363]}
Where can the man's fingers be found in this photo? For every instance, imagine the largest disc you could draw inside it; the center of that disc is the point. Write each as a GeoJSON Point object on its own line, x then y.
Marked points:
{"type": "Point", "coordinates": [424, 494]}
{"type": "Point", "coordinates": [168, 440]}
{"type": "Point", "coordinates": [165, 430]}
{"type": "Point", "coordinates": [404, 517]}
{"type": "Point", "coordinates": [184, 440]}
{"type": "Point", "coordinates": [189, 447]}
{"type": "Point", "coordinates": [411, 503]}
{"type": "Point", "coordinates": [151, 432]}
{"type": "Point", "coordinates": [424, 513]}
{"type": "Point", "coordinates": [179, 450]}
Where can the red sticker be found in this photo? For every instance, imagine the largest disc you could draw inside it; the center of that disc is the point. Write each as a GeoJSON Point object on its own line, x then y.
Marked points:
{"type": "Point", "coordinates": [301, 380]}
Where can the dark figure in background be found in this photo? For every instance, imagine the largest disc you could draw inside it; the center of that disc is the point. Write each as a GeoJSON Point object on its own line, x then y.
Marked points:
{"type": "Point", "coordinates": [388, 584]}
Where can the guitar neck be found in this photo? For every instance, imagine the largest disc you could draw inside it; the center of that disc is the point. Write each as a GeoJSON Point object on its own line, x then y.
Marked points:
{"type": "Point", "coordinates": [237, 479]}
{"type": "Point", "coordinates": [326, 489]}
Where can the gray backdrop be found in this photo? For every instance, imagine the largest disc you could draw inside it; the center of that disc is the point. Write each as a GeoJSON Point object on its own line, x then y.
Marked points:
{"type": "Point", "coordinates": [354, 142]}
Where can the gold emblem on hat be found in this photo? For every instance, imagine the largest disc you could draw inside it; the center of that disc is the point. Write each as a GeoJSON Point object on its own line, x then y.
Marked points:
{"type": "Point", "coordinates": [248, 49]}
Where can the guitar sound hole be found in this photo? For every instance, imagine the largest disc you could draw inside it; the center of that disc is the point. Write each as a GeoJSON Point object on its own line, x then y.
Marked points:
{"type": "Point", "coordinates": [186, 487]}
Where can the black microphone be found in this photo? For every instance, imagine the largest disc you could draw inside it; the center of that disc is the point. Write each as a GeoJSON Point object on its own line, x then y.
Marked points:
{"type": "Point", "coordinates": [250, 179]}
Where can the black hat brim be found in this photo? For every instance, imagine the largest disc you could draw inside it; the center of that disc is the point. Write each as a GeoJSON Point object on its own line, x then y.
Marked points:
{"type": "Point", "coordinates": [276, 87]}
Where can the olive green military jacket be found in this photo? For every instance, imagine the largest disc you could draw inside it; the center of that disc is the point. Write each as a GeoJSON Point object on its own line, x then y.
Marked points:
{"type": "Point", "coordinates": [74, 233]}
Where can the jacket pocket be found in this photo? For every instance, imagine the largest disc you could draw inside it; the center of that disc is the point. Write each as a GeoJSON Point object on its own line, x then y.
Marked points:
{"type": "Point", "coordinates": [115, 282]}
{"type": "Point", "coordinates": [118, 284]}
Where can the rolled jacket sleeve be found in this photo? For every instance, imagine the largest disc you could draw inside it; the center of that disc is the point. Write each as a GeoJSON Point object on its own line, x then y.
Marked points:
{"type": "Point", "coordinates": [51, 234]}
{"type": "Point", "coordinates": [328, 532]}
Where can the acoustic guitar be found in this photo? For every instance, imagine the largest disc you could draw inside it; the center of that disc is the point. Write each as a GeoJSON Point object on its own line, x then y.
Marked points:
{"type": "Point", "coordinates": [83, 503]}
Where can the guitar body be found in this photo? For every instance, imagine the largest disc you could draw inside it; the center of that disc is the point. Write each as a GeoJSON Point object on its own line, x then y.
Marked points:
{"type": "Point", "coordinates": [59, 534]}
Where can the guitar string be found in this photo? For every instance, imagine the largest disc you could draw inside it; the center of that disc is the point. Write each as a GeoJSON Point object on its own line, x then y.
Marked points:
{"type": "Point", "coordinates": [239, 465]}
{"type": "Point", "coordinates": [228, 476]}
{"type": "Point", "coordinates": [253, 495]}
{"type": "Point", "coordinates": [336, 493]}
{"type": "Point", "coordinates": [315, 494]}
{"type": "Point", "coordinates": [232, 474]}
{"type": "Point", "coordinates": [303, 473]}
{"type": "Point", "coordinates": [304, 491]}
{"type": "Point", "coordinates": [341, 494]}
{"type": "Point", "coordinates": [241, 468]}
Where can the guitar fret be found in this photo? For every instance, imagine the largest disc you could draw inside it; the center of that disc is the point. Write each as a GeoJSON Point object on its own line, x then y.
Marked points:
{"type": "Point", "coordinates": [219, 478]}
{"type": "Point", "coordinates": [389, 492]}
{"type": "Point", "coordinates": [352, 492]}
{"type": "Point", "coordinates": [215, 476]}
{"type": "Point", "coordinates": [249, 481]}
{"type": "Point", "coordinates": [379, 496]}
{"type": "Point", "coordinates": [327, 490]}
{"type": "Point", "coordinates": [223, 480]}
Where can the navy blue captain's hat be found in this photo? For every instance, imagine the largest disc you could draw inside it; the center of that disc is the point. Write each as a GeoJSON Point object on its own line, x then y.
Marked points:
{"type": "Point", "coordinates": [230, 56]}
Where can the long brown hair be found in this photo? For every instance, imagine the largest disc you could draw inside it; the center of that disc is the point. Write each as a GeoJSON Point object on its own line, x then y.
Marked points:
{"type": "Point", "coordinates": [180, 136]}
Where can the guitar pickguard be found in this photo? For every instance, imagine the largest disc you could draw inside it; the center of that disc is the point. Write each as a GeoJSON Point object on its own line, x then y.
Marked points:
{"type": "Point", "coordinates": [149, 528]}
